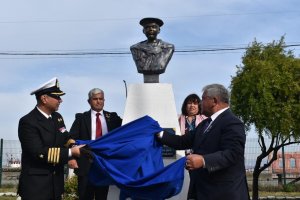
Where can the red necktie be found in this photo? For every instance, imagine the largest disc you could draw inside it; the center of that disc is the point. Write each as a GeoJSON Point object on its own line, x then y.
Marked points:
{"type": "Point", "coordinates": [98, 126]}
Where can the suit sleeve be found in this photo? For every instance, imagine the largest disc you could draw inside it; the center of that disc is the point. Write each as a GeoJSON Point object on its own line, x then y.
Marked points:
{"type": "Point", "coordinates": [113, 120]}
{"type": "Point", "coordinates": [178, 142]}
{"type": "Point", "coordinates": [118, 120]}
{"type": "Point", "coordinates": [231, 147]}
{"type": "Point", "coordinates": [76, 127]}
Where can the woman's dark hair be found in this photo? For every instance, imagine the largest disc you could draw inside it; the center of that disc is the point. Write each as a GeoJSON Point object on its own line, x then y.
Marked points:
{"type": "Point", "coordinates": [191, 98]}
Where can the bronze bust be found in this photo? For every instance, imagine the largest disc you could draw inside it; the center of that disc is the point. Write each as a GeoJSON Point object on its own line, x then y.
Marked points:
{"type": "Point", "coordinates": [152, 55]}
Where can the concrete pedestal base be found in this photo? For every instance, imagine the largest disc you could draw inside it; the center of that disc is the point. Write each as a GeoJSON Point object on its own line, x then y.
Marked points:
{"type": "Point", "coordinates": [157, 101]}
{"type": "Point", "coordinates": [153, 99]}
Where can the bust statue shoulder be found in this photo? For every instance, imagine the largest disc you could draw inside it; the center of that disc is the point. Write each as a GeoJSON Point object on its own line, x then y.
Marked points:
{"type": "Point", "coordinates": [152, 58]}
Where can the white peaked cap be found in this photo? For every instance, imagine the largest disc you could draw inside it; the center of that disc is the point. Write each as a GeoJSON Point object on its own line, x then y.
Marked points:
{"type": "Point", "coordinates": [50, 87]}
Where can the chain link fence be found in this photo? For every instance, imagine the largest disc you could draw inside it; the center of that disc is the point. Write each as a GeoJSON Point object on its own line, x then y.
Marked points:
{"type": "Point", "coordinates": [10, 157]}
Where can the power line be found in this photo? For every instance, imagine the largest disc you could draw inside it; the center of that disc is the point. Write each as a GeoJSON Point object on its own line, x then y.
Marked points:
{"type": "Point", "coordinates": [135, 19]}
{"type": "Point", "coordinates": [104, 52]}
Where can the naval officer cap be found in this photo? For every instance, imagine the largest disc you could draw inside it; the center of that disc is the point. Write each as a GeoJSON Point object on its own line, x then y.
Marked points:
{"type": "Point", "coordinates": [50, 88]}
{"type": "Point", "coordinates": [148, 20]}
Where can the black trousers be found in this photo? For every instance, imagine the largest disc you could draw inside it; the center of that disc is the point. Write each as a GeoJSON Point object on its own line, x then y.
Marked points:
{"type": "Point", "coordinates": [89, 192]}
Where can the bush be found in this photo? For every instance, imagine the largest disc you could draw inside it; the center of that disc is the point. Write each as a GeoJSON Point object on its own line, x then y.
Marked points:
{"type": "Point", "coordinates": [289, 188]}
{"type": "Point", "coordinates": [278, 188]}
{"type": "Point", "coordinates": [71, 192]}
{"type": "Point", "coordinates": [270, 188]}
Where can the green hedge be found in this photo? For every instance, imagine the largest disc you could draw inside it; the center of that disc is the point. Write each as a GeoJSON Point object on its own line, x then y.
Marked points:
{"type": "Point", "coordinates": [71, 189]}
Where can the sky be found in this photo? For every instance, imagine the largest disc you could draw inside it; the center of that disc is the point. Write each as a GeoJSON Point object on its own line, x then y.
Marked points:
{"type": "Point", "coordinates": [93, 26]}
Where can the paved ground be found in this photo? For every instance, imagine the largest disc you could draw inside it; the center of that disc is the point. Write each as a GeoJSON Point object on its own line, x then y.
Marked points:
{"type": "Point", "coordinates": [12, 178]}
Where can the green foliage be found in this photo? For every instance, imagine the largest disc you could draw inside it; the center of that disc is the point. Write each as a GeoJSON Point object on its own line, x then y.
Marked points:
{"type": "Point", "coordinates": [8, 186]}
{"type": "Point", "coordinates": [266, 93]}
{"type": "Point", "coordinates": [266, 89]}
{"type": "Point", "coordinates": [71, 189]}
{"type": "Point", "coordinates": [286, 189]}
{"type": "Point", "coordinates": [290, 188]}
{"type": "Point", "coordinates": [8, 198]}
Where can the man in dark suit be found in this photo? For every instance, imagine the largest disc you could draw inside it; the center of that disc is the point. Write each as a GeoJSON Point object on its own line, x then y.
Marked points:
{"type": "Point", "coordinates": [86, 127]}
{"type": "Point", "coordinates": [45, 146]}
{"type": "Point", "coordinates": [217, 162]}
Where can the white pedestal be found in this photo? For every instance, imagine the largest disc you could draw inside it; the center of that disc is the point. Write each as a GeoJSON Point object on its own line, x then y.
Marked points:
{"type": "Point", "coordinates": [153, 99]}
{"type": "Point", "coordinates": [157, 101]}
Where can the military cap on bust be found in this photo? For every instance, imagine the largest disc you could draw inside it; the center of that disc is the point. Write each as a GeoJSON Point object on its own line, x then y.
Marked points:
{"type": "Point", "coordinates": [148, 20]}
{"type": "Point", "coordinates": [50, 88]}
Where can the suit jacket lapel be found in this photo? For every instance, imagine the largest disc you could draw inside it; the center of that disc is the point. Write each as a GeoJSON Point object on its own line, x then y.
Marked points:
{"type": "Point", "coordinates": [43, 120]}
{"type": "Point", "coordinates": [88, 122]}
{"type": "Point", "coordinates": [49, 133]}
{"type": "Point", "coordinates": [202, 134]}
{"type": "Point", "coordinates": [213, 125]}
{"type": "Point", "coordinates": [107, 120]}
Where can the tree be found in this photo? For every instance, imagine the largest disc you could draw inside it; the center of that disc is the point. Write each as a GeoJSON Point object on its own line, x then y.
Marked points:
{"type": "Point", "coordinates": [266, 93]}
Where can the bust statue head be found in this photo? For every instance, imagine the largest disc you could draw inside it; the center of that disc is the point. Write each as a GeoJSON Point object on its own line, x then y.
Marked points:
{"type": "Point", "coordinates": [151, 28]}
{"type": "Point", "coordinates": [152, 55]}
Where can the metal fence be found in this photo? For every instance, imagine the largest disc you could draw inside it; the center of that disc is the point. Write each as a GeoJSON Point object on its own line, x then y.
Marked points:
{"type": "Point", "coordinates": [10, 165]}
{"type": "Point", "coordinates": [10, 155]}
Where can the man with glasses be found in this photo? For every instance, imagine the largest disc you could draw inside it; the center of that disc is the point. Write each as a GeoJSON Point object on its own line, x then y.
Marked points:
{"type": "Point", "coordinates": [45, 146]}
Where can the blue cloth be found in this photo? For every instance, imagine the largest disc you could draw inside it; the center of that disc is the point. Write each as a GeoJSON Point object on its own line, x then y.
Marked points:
{"type": "Point", "coordinates": [131, 158]}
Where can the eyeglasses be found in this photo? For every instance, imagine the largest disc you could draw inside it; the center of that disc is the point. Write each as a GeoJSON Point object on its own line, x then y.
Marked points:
{"type": "Point", "coordinates": [54, 96]}
{"type": "Point", "coordinates": [206, 97]}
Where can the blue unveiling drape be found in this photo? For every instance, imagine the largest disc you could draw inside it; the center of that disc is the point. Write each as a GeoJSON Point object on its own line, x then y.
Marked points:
{"type": "Point", "coordinates": [131, 158]}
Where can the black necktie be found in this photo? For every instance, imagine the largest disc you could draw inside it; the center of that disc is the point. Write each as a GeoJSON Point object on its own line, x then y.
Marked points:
{"type": "Point", "coordinates": [206, 124]}
{"type": "Point", "coordinates": [50, 119]}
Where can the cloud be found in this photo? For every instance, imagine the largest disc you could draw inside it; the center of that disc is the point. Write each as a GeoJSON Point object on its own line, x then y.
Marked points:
{"type": "Point", "coordinates": [65, 25]}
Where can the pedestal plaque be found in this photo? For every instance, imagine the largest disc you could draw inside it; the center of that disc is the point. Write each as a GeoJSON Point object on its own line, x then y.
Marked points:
{"type": "Point", "coordinates": [168, 151]}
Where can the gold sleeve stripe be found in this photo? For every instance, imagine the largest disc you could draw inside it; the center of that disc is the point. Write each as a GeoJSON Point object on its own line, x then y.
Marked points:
{"type": "Point", "coordinates": [49, 155]}
{"type": "Point", "coordinates": [54, 155]}
{"type": "Point", "coordinates": [58, 155]}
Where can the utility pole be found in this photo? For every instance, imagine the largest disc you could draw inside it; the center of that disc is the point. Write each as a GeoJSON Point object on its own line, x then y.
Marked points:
{"type": "Point", "coordinates": [283, 166]}
{"type": "Point", "coordinates": [1, 156]}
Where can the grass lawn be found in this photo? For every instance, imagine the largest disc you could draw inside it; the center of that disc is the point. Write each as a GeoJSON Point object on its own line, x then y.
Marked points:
{"type": "Point", "coordinates": [8, 198]}
{"type": "Point", "coordinates": [278, 194]}
{"type": "Point", "coordinates": [261, 193]}
{"type": "Point", "coordinates": [8, 189]}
